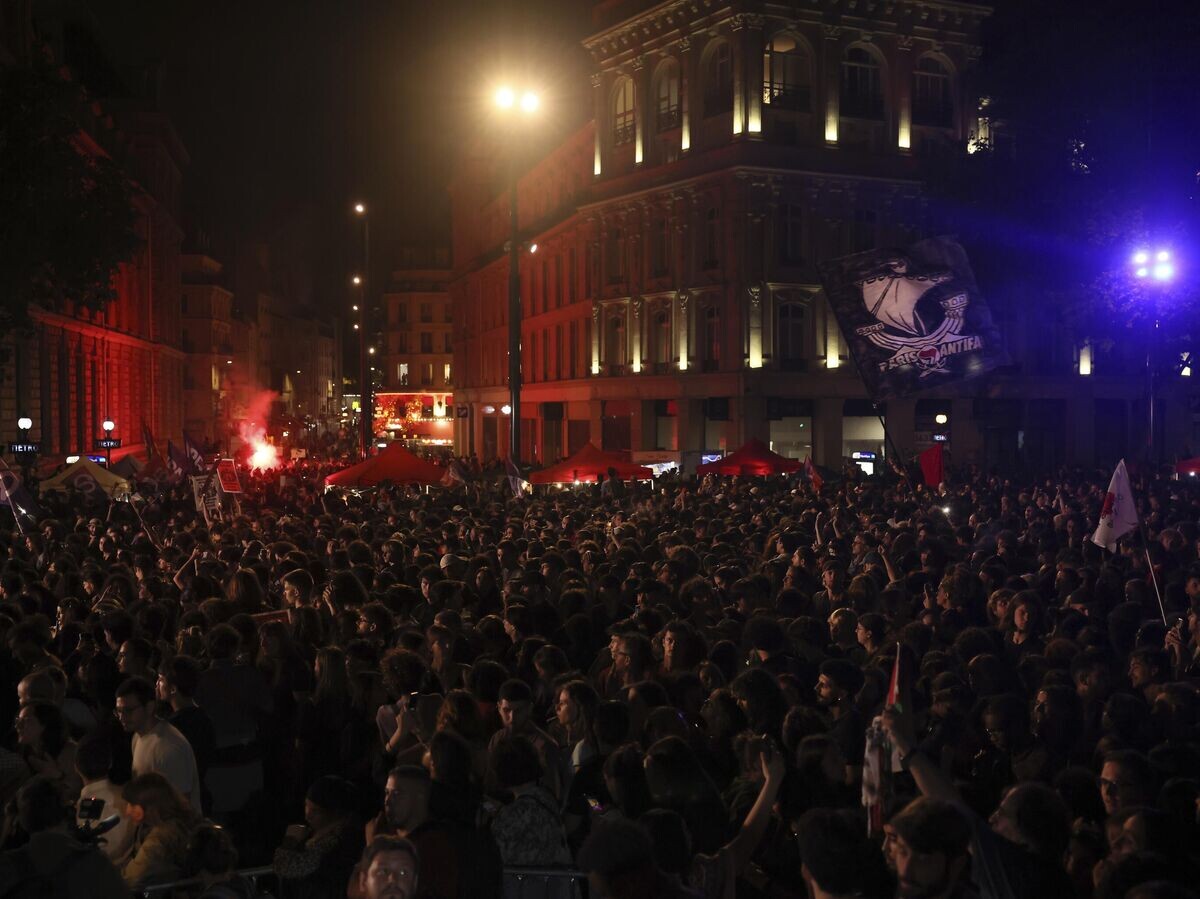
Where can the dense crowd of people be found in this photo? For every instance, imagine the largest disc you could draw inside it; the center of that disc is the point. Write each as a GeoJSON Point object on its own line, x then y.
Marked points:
{"type": "Point", "coordinates": [669, 687]}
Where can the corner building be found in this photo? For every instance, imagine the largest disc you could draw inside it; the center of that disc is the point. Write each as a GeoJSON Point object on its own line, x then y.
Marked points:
{"type": "Point", "coordinates": [672, 307]}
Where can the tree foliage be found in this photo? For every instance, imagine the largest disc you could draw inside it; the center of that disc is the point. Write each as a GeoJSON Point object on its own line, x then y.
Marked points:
{"type": "Point", "coordinates": [67, 216]}
{"type": "Point", "coordinates": [1098, 164]}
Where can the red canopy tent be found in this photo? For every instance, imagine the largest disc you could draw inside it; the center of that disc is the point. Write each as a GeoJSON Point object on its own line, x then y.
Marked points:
{"type": "Point", "coordinates": [590, 464]}
{"type": "Point", "coordinates": [752, 459]}
{"type": "Point", "coordinates": [1188, 466]}
{"type": "Point", "coordinates": [395, 464]}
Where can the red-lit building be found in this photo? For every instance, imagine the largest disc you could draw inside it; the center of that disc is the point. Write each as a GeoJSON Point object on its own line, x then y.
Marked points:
{"type": "Point", "coordinates": [79, 368]}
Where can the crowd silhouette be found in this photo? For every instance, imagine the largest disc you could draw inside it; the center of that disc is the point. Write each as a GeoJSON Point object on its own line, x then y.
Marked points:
{"type": "Point", "coordinates": [658, 689]}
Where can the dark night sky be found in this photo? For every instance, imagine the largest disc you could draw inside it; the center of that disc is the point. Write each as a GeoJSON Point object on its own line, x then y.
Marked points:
{"type": "Point", "coordinates": [292, 109]}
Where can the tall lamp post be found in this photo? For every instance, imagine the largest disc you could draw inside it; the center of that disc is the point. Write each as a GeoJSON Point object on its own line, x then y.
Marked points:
{"type": "Point", "coordinates": [515, 109]}
{"type": "Point", "coordinates": [108, 427]}
{"type": "Point", "coordinates": [1155, 267]}
{"type": "Point", "coordinates": [365, 403]}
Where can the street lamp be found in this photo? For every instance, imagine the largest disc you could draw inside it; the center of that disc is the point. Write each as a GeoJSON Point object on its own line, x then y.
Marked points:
{"type": "Point", "coordinates": [1156, 268]}
{"type": "Point", "coordinates": [514, 109]}
{"type": "Point", "coordinates": [366, 415]}
{"type": "Point", "coordinates": [108, 427]}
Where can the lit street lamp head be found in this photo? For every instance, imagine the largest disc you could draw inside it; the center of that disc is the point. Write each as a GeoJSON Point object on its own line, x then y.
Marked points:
{"type": "Point", "coordinates": [360, 209]}
{"type": "Point", "coordinates": [506, 98]}
{"type": "Point", "coordinates": [1159, 268]}
{"type": "Point", "coordinates": [108, 425]}
{"type": "Point", "coordinates": [24, 423]}
{"type": "Point", "coordinates": [356, 280]}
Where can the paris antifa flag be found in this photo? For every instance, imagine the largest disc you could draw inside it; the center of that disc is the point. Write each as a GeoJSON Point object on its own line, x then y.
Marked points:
{"type": "Point", "coordinates": [913, 318]}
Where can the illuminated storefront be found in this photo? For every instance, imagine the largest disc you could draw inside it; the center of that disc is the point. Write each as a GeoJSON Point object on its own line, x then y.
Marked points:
{"type": "Point", "coordinates": [418, 419]}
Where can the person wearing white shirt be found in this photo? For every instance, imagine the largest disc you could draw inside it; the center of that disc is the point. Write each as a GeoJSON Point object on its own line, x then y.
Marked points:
{"type": "Point", "coordinates": [157, 746]}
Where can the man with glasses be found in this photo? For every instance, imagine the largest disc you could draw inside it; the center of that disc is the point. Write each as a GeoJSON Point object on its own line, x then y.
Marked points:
{"type": "Point", "coordinates": [157, 746]}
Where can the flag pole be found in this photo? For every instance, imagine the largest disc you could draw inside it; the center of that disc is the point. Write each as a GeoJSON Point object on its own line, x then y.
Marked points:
{"type": "Point", "coordinates": [887, 435]}
{"type": "Point", "coordinates": [1150, 564]}
{"type": "Point", "coordinates": [8, 495]}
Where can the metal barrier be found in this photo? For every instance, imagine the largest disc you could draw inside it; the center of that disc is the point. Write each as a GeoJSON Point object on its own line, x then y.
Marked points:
{"type": "Point", "coordinates": [544, 883]}
{"type": "Point", "coordinates": [519, 883]}
{"type": "Point", "coordinates": [169, 890]}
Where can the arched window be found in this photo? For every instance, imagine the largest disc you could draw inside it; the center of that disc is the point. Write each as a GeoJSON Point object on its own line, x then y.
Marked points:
{"type": "Point", "coordinates": [787, 83]}
{"type": "Point", "coordinates": [932, 103]}
{"type": "Point", "coordinates": [862, 87]}
{"type": "Point", "coordinates": [710, 346]}
{"type": "Point", "coordinates": [623, 122]}
{"type": "Point", "coordinates": [662, 340]}
{"type": "Point", "coordinates": [789, 336]}
{"type": "Point", "coordinates": [712, 238]}
{"type": "Point", "coordinates": [718, 80]}
{"type": "Point", "coordinates": [668, 97]}
{"type": "Point", "coordinates": [614, 345]}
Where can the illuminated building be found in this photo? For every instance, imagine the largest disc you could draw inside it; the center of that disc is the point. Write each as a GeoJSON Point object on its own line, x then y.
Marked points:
{"type": "Point", "coordinates": [415, 399]}
{"type": "Point", "coordinates": [672, 306]}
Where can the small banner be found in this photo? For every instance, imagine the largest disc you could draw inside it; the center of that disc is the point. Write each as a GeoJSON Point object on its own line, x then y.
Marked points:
{"type": "Point", "coordinates": [207, 496]}
{"type": "Point", "coordinates": [227, 475]}
{"type": "Point", "coordinates": [914, 318]}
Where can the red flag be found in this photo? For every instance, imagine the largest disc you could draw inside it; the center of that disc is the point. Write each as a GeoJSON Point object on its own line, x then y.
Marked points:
{"type": "Point", "coordinates": [932, 465]}
{"type": "Point", "coordinates": [810, 472]}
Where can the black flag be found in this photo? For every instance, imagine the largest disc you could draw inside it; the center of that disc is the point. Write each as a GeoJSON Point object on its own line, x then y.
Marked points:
{"type": "Point", "coordinates": [914, 317]}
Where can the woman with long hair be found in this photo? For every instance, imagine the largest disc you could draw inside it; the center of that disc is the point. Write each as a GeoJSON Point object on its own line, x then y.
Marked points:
{"type": "Point", "coordinates": [164, 822]}
{"type": "Point", "coordinates": [321, 718]}
{"type": "Point", "coordinates": [245, 591]}
{"type": "Point", "coordinates": [45, 744]}
{"type": "Point", "coordinates": [1024, 626]}
{"type": "Point", "coordinates": [575, 709]}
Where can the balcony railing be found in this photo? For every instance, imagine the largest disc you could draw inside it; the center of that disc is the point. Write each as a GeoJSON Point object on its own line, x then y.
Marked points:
{"type": "Point", "coordinates": [668, 118]}
{"type": "Point", "coordinates": [781, 95]}
{"type": "Point", "coordinates": [623, 133]}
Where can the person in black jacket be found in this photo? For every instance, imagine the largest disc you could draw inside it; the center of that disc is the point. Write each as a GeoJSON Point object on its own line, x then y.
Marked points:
{"type": "Point", "coordinates": [55, 863]}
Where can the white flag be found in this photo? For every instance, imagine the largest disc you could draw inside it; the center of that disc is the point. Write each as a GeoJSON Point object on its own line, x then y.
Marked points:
{"type": "Point", "coordinates": [1117, 516]}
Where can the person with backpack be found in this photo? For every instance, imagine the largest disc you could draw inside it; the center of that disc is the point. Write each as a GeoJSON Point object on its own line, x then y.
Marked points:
{"type": "Point", "coordinates": [55, 863]}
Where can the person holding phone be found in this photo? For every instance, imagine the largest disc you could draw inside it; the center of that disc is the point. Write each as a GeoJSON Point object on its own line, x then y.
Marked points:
{"type": "Point", "coordinates": [1182, 643]}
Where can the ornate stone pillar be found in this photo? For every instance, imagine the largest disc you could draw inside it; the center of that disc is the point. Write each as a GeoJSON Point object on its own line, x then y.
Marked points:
{"type": "Point", "coordinates": [754, 356]}
{"type": "Point", "coordinates": [600, 119]}
{"type": "Point", "coordinates": [752, 40]}
{"type": "Point", "coordinates": [738, 59]}
{"type": "Point", "coordinates": [902, 97]}
{"type": "Point", "coordinates": [683, 328]}
{"type": "Point", "coordinates": [641, 103]}
{"type": "Point", "coordinates": [635, 334]}
{"type": "Point", "coordinates": [688, 97]}
{"type": "Point", "coordinates": [833, 80]}
{"type": "Point", "coordinates": [596, 328]}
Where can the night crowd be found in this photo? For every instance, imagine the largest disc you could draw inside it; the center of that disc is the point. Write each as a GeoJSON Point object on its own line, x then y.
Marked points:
{"type": "Point", "coordinates": [666, 686]}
